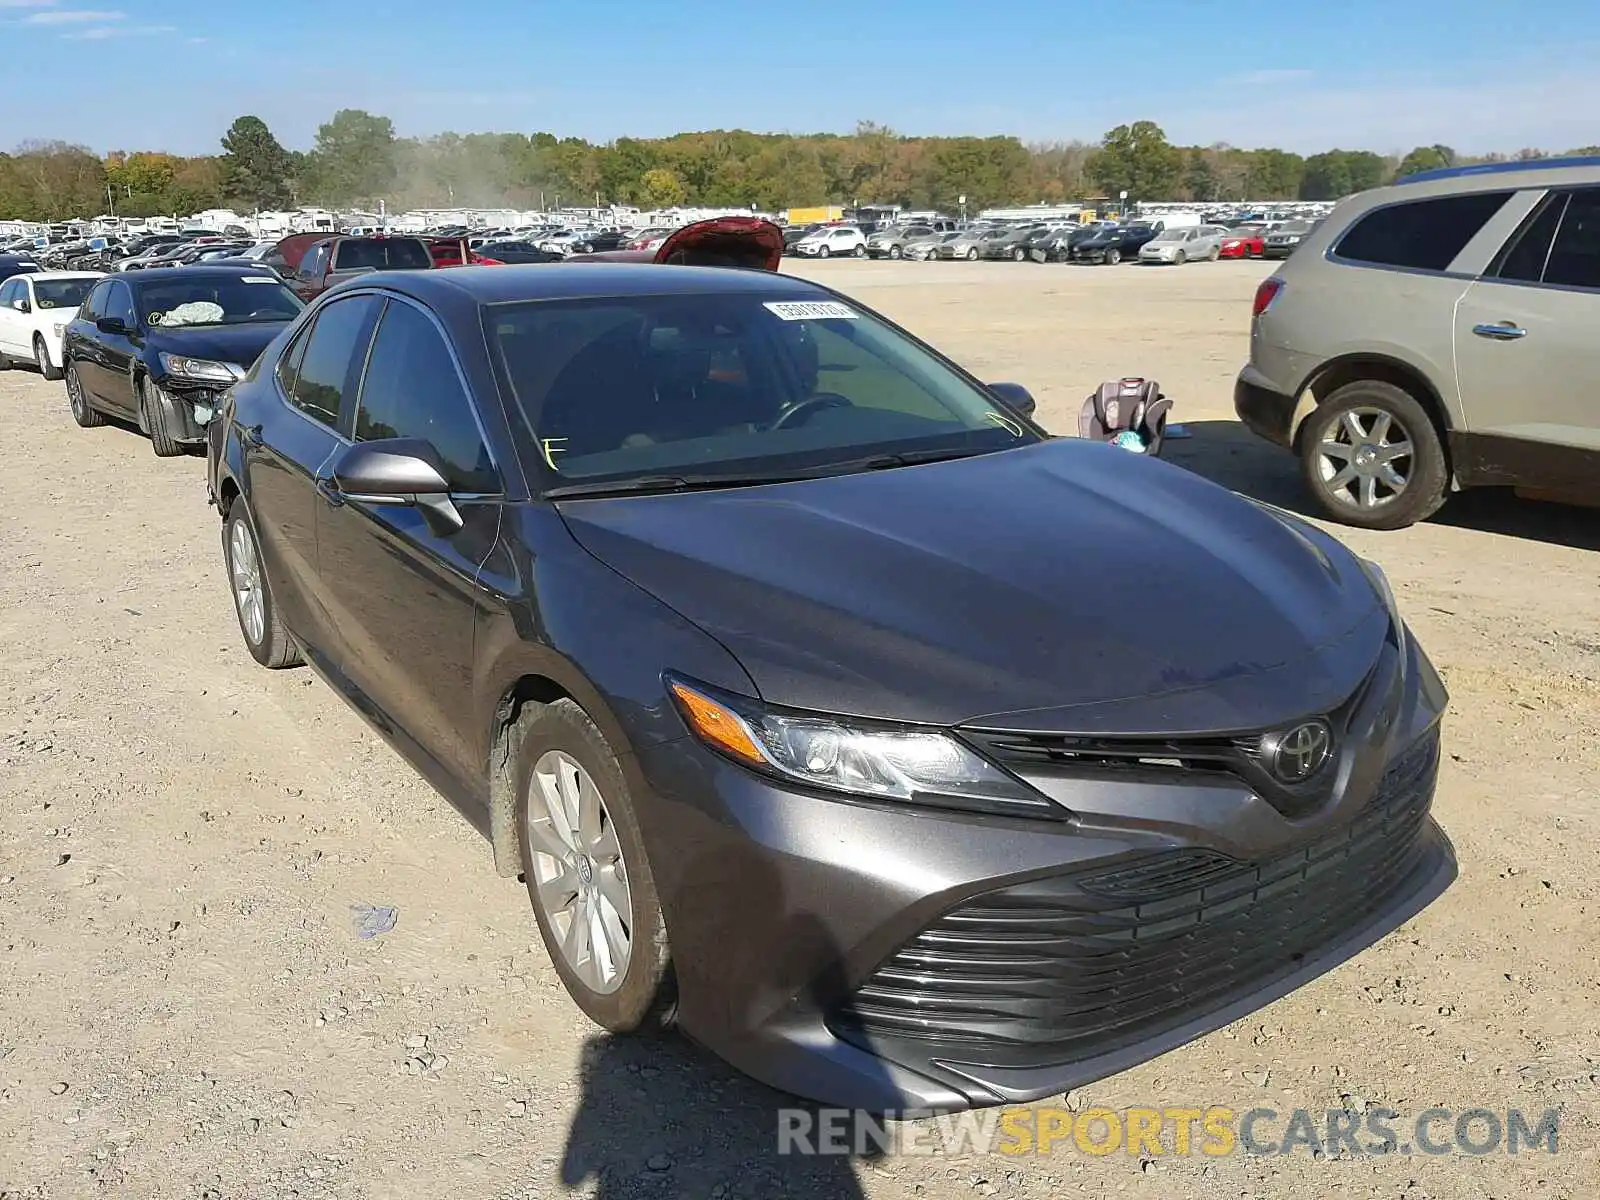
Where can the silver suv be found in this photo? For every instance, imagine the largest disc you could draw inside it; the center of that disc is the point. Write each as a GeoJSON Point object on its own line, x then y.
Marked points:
{"type": "Point", "coordinates": [1438, 334]}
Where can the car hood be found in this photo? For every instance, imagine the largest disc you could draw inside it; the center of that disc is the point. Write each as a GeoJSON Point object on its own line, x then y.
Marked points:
{"type": "Point", "coordinates": [241, 344]}
{"type": "Point", "coordinates": [1068, 586]}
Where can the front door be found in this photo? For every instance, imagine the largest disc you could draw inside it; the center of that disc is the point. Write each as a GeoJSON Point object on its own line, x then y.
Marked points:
{"type": "Point", "coordinates": [1527, 353]}
{"type": "Point", "coordinates": [11, 323]}
{"type": "Point", "coordinates": [289, 434]}
{"type": "Point", "coordinates": [118, 350]}
{"type": "Point", "coordinates": [403, 596]}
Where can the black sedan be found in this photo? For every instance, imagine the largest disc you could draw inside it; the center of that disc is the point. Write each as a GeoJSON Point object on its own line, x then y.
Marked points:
{"type": "Point", "coordinates": [17, 264]}
{"type": "Point", "coordinates": [1113, 245]}
{"type": "Point", "coordinates": [823, 702]}
{"type": "Point", "coordinates": [160, 347]}
{"type": "Point", "coordinates": [516, 252]}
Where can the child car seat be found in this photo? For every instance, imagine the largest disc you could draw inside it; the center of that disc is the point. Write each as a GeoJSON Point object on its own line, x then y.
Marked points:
{"type": "Point", "coordinates": [1131, 413]}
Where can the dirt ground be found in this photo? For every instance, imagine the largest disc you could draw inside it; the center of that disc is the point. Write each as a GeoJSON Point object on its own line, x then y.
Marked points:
{"type": "Point", "coordinates": [186, 1010]}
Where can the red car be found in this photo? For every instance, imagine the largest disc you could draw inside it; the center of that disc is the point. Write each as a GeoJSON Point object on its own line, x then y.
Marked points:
{"type": "Point", "coordinates": [719, 242]}
{"type": "Point", "coordinates": [1243, 243]}
{"type": "Point", "coordinates": [449, 252]}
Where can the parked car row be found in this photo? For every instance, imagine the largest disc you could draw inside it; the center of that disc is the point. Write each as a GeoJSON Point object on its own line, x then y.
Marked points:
{"type": "Point", "coordinates": [1153, 241]}
{"type": "Point", "coordinates": [522, 521]}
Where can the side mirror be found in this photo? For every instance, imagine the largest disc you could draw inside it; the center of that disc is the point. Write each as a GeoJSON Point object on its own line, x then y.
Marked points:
{"type": "Point", "coordinates": [1015, 396]}
{"type": "Point", "coordinates": [398, 471]}
{"type": "Point", "coordinates": [112, 325]}
{"type": "Point", "coordinates": [22, 306]}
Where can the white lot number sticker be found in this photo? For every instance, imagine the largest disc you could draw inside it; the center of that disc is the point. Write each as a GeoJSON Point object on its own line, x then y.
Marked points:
{"type": "Point", "coordinates": [257, 279]}
{"type": "Point", "coordinates": [811, 310]}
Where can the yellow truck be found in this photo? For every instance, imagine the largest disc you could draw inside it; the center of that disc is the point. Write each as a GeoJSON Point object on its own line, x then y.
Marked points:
{"type": "Point", "coordinates": [816, 214]}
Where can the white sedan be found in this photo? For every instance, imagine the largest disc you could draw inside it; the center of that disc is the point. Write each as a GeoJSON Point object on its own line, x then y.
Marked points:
{"type": "Point", "coordinates": [34, 311]}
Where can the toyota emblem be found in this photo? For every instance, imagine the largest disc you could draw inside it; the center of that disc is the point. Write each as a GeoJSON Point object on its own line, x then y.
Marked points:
{"type": "Point", "coordinates": [1295, 755]}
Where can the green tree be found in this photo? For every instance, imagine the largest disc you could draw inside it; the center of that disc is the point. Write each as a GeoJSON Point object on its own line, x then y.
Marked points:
{"type": "Point", "coordinates": [1274, 175]}
{"type": "Point", "coordinates": [660, 187]}
{"type": "Point", "coordinates": [256, 168]}
{"type": "Point", "coordinates": [1338, 173]}
{"type": "Point", "coordinates": [1139, 160]}
{"type": "Point", "coordinates": [1426, 158]}
{"type": "Point", "coordinates": [354, 158]}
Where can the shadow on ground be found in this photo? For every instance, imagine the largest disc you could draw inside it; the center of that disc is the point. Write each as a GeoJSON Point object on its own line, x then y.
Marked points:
{"type": "Point", "coordinates": [1228, 453]}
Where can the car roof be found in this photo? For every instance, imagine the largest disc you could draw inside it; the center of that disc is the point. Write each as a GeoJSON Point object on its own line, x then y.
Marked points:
{"type": "Point", "coordinates": [199, 271]}
{"type": "Point", "coordinates": [1502, 168]}
{"type": "Point", "coordinates": [46, 276]}
{"type": "Point", "coordinates": [584, 281]}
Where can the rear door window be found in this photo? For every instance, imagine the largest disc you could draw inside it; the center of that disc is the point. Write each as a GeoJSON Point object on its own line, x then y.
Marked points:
{"type": "Point", "coordinates": [1423, 235]}
{"type": "Point", "coordinates": [1524, 256]}
{"type": "Point", "coordinates": [333, 357]}
{"type": "Point", "coordinates": [412, 390]}
{"type": "Point", "coordinates": [1575, 256]}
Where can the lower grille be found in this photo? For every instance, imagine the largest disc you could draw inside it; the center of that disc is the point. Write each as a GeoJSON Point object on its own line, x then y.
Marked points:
{"type": "Point", "coordinates": [1075, 965]}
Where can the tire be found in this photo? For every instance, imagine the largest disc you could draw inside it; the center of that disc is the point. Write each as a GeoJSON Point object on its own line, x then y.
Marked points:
{"type": "Point", "coordinates": [155, 423]}
{"type": "Point", "coordinates": [606, 872]}
{"type": "Point", "coordinates": [265, 637]}
{"type": "Point", "coordinates": [1019, 255]}
{"type": "Point", "coordinates": [1113, 257]}
{"type": "Point", "coordinates": [1180, 258]}
{"type": "Point", "coordinates": [860, 251]}
{"type": "Point", "coordinates": [972, 255]}
{"type": "Point", "coordinates": [85, 414]}
{"type": "Point", "coordinates": [41, 359]}
{"type": "Point", "coordinates": [1214, 254]}
{"type": "Point", "coordinates": [822, 252]}
{"type": "Point", "coordinates": [894, 252]}
{"type": "Point", "coordinates": [1364, 421]}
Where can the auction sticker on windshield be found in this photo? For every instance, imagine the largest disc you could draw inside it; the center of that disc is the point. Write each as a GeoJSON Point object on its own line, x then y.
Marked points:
{"type": "Point", "coordinates": [811, 310]}
{"type": "Point", "coordinates": [257, 279]}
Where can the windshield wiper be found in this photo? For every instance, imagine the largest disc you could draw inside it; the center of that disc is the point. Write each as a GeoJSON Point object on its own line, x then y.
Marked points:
{"type": "Point", "coordinates": [647, 484]}
{"type": "Point", "coordinates": [906, 458]}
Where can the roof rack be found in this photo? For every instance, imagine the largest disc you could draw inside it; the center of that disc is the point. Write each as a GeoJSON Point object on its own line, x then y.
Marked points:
{"type": "Point", "coordinates": [1501, 168]}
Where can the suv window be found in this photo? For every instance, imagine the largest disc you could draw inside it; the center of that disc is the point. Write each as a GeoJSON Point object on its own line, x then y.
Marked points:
{"type": "Point", "coordinates": [1575, 257]}
{"type": "Point", "coordinates": [1525, 256]}
{"type": "Point", "coordinates": [412, 390]}
{"type": "Point", "coordinates": [381, 254]}
{"type": "Point", "coordinates": [119, 304]}
{"type": "Point", "coordinates": [329, 364]}
{"type": "Point", "coordinates": [1423, 235]}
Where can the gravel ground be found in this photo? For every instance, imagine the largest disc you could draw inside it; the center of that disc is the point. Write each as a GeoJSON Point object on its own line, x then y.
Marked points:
{"type": "Point", "coordinates": [186, 1010]}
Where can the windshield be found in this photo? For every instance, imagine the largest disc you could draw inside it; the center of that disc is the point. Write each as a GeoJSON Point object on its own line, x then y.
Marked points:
{"type": "Point", "coordinates": [226, 300]}
{"type": "Point", "coordinates": [61, 293]}
{"type": "Point", "coordinates": [1171, 235]}
{"type": "Point", "coordinates": [727, 384]}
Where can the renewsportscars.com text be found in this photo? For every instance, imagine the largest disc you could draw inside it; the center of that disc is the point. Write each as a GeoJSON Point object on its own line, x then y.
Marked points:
{"type": "Point", "coordinates": [1151, 1132]}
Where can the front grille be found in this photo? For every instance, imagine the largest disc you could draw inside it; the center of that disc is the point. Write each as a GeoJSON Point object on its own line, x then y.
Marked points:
{"type": "Point", "coordinates": [1074, 965]}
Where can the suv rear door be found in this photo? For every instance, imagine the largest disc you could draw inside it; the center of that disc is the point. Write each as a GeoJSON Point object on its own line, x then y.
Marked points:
{"type": "Point", "coordinates": [1528, 354]}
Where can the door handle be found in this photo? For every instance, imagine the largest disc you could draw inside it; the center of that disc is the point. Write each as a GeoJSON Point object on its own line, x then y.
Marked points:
{"type": "Point", "coordinates": [1500, 331]}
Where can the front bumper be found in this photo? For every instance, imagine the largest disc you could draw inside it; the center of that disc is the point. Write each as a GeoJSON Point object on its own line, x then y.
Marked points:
{"type": "Point", "coordinates": [1278, 251]}
{"type": "Point", "coordinates": [895, 959]}
{"type": "Point", "coordinates": [188, 409]}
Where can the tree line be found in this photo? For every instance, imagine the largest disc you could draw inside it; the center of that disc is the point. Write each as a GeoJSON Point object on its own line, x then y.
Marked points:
{"type": "Point", "coordinates": [358, 161]}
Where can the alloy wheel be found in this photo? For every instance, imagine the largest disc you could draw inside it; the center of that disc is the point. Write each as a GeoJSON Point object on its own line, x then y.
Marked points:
{"type": "Point", "coordinates": [580, 878]}
{"type": "Point", "coordinates": [75, 392]}
{"type": "Point", "coordinates": [1364, 459]}
{"type": "Point", "coordinates": [244, 566]}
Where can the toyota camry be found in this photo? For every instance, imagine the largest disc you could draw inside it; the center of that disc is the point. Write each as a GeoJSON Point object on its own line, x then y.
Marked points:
{"type": "Point", "coordinates": [905, 756]}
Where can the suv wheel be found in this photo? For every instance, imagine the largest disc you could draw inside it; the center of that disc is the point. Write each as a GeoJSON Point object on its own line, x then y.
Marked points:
{"type": "Point", "coordinates": [894, 251]}
{"type": "Point", "coordinates": [1372, 458]}
{"type": "Point", "coordinates": [822, 252]}
{"type": "Point", "coordinates": [860, 251]}
{"type": "Point", "coordinates": [264, 635]}
{"type": "Point", "coordinates": [583, 859]}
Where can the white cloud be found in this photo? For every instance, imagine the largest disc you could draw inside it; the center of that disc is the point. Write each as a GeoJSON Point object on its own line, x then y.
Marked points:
{"type": "Point", "coordinates": [71, 16]}
{"type": "Point", "coordinates": [100, 33]}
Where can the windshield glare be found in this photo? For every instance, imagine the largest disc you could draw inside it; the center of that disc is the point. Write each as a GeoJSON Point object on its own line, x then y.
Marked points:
{"type": "Point", "coordinates": [231, 300]}
{"type": "Point", "coordinates": [729, 384]}
{"type": "Point", "coordinates": [61, 293]}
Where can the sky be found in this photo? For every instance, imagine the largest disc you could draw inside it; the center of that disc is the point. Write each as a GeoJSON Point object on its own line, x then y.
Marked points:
{"type": "Point", "coordinates": [1384, 75]}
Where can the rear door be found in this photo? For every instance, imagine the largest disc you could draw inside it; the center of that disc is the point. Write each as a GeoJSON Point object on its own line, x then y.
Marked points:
{"type": "Point", "coordinates": [1527, 341]}
{"type": "Point", "coordinates": [288, 435]}
{"type": "Point", "coordinates": [403, 597]}
{"type": "Point", "coordinates": [118, 350]}
{"type": "Point", "coordinates": [11, 323]}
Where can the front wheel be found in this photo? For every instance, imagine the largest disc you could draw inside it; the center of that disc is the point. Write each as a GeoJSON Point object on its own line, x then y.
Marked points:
{"type": "Point", "coordinates": [823, 252]}
{"type": "Point", "coordinates": [588, 877]}
{"type": "Point", "coordinates": [1179, 258]}
{"type": "Point", "coordinates": [972, 255]}
{"type": "Point", "coordinates": [264, 635]}
{"type": "Point", "coordinates": [41, 358]}
{"type": "Point", "coordinates": [894, 251]}
{"type": "Point", "coordinates": [153, 416]}
{"type": "Point", "coordinates": [1372, 458]}
{"type": "Point", "coordinates": [1019, 255]}
{"type": "Point", "coordinates": [83, 412]}
{"type": "Point", "coordinates": [1113, 257]}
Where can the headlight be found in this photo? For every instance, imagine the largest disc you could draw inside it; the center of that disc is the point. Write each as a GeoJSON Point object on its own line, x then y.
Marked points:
{"type": "Point", "coordinates": [202, 370]}
{"type": "Point", "coordinates": [919, 766]}
{"type": "Point", "coordinates": [59, 328]}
